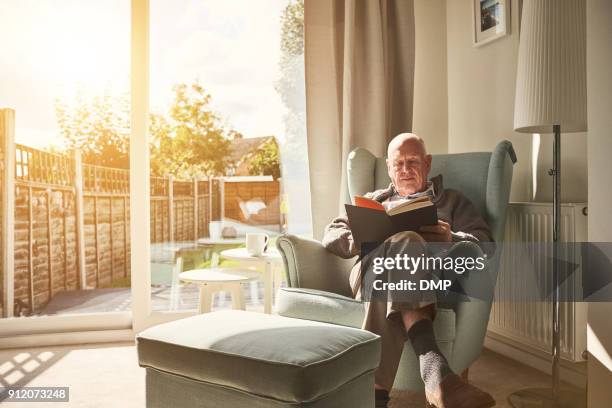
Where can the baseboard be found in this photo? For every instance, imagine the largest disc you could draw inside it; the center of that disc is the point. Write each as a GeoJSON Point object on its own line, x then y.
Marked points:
{"type": "Point", "coordinates": [61, 339]}
{"type": "Point", "coordinates": [572, 373]}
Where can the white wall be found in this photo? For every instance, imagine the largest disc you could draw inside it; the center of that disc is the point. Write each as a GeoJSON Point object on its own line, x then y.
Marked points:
{"type": "Point", "coordinates": [430, 115]}
{"type": "Point", "coordinates": [599, 83]}
{"type": "Point", "coordinates": [480, 91]}
{"type": "Point", "coordinates": [481, 86]}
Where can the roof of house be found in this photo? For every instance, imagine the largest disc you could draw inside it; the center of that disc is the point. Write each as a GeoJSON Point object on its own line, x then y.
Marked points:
{"type": "Point", "coordinates": [243, 147]}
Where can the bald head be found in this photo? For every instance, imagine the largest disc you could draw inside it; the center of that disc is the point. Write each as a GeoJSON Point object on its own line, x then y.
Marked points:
{"type": "Point", "coordinates": [406, 138]}
{"type": "Point", "coordinates": [408, 163]}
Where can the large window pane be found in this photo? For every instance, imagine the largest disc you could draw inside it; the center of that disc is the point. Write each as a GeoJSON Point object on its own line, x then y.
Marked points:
{"type": "Point", "coordinates": [228, 150]}
{"type": "Point", "coordinates": [64, 71]}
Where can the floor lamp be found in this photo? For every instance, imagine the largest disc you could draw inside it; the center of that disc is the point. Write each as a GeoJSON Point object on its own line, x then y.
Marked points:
{"type": "Point", "coordinates": [551, 98]}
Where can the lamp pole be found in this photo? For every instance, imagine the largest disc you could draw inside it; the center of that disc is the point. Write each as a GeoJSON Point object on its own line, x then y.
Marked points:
{"type": "Point", "coordinates": [555, 396]}
{"type": "Point", "coordinates": [556, 340]}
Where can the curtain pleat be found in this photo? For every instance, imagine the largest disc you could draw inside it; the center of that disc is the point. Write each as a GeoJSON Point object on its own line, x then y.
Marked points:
{"type": "Point", "coordinates": [359, 58]}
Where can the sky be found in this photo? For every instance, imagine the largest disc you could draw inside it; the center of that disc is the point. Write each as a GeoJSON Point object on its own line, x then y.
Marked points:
{"type": "Point", "coordinates": [53, 49]}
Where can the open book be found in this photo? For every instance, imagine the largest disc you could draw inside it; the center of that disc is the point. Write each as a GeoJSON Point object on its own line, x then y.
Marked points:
{"type": "Point", "coordinates": [371, 222]}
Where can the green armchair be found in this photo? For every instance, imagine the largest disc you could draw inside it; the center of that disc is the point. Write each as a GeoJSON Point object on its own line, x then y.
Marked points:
{"type": "Point", "coordinates": [317, 280]}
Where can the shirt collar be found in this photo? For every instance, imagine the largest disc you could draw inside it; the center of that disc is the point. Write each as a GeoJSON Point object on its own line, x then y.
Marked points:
{"type": "Point", "coordinates": [430, 191]}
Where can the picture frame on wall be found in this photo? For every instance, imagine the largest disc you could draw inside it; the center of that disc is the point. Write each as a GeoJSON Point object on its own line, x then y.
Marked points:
{"type": "Point", "coordinates": [491, 20]}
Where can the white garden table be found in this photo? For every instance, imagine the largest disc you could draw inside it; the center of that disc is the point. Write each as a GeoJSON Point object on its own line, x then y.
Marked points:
{"type": "Point", "coordinates": [212, 280]}
{"type": "Point", "coordinates": [270, 258]}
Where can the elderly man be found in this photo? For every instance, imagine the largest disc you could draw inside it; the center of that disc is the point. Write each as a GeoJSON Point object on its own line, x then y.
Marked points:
{"type": "Point", "coordinates": [408, 165]}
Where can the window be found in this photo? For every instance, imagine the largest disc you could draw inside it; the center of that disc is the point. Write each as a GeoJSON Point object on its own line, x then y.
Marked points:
{"type": "Point", "coordinates": [66, 78]}
{"type": "Point", "coordinates": [228, 149]}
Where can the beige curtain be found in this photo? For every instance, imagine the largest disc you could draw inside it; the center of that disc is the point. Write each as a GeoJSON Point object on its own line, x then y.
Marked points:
{"type": "Point", "coordinates": [359, 57]}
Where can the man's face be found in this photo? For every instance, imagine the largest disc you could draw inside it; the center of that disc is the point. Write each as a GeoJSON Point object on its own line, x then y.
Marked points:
{"type": "Point", "coordinates": [408, 167]}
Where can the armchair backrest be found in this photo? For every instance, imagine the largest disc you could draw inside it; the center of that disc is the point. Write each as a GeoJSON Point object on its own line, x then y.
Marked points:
{"type": "Point", "coordinates": [484, 177]}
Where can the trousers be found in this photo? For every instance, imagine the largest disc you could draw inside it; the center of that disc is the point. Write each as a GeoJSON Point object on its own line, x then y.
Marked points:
{"type": "Point", "coordinates": [384, 317]}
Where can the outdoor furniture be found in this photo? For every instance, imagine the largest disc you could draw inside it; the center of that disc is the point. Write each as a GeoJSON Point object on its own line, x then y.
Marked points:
{"type": "Point", "coordinates": [212, 280]}
{"type": "Point", "coordinates": [167, 274]}
{"type": "Point", "coordinates": [242, 228]}
{"type": "Point", "coordinates": [318, 280]}
{"type": "Point", "coordinates": [270, 259]}
{"type": "Point", "coordinates": [235, 359]}
{"type": "Point", "coordinates": [168, 252]}
{"type": "Point", "coordinates": [210, 244]}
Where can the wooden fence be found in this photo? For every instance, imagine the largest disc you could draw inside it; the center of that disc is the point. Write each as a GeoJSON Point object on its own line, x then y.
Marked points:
{"type": "Point", "coordinates": [181, 210]}
{"type": "Point", "coordinates": [70, 228]}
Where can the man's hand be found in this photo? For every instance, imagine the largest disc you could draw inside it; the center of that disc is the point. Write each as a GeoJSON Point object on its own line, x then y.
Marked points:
{"type": "Point", "coordinates": [436, 233]}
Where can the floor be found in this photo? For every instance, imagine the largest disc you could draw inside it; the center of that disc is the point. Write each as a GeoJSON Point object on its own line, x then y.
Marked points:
{"type": "Point", "coordinates": [109, 376]}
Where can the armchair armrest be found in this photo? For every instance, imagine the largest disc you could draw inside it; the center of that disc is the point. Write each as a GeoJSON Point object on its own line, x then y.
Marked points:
{"type": "Point", "coordinates": [309, 265]}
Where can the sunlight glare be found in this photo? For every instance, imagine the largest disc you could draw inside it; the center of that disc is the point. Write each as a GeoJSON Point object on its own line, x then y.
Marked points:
{"type": "Point", "coordinates": [68, 48]}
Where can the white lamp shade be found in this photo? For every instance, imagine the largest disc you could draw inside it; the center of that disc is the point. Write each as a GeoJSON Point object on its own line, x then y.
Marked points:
{"type": "Point", "coordinates": [551, 73]}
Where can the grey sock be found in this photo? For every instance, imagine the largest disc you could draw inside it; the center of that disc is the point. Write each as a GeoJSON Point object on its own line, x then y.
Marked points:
{"type": "Point", "coordinates": [433, 364]}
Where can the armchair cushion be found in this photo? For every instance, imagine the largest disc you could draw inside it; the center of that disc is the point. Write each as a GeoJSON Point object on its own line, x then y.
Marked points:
{"type": "Point", "coordinates": [321, 306]}
{"type": "Point", "coordinates": [312, 304]}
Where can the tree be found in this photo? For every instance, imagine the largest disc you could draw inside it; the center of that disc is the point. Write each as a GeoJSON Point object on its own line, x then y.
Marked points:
{"type": "Point", "coordinates": [292, 28]}
{"type": "Point", "coordinates": [190, 141]}
{"type": "Point", "coordinates": [266, 161]}
{"type": "Point", "coordinates": [291, 87]}
{"type": "Point", "coordinates": [187, 141]}
{"type": "Point", "coordinates": [99, 127]}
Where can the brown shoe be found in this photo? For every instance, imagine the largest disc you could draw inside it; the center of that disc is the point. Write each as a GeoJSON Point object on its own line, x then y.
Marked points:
{"type": "Point", "coordinates": [453, 392]}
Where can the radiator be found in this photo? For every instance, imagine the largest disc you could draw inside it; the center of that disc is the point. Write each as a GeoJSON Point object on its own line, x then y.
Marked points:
{"type": "Point", "coordinates": [527, 326]}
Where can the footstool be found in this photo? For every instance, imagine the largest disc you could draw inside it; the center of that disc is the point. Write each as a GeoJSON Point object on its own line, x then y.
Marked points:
{"type": "Point", "coordinates": [244, 359]}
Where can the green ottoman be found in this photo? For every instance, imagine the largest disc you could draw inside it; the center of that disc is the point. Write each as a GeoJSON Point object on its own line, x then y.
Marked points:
{"type": "Point", "coordinates": [244, 359]}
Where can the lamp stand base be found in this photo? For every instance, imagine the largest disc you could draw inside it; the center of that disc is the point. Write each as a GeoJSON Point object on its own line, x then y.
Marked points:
{"type": "Point", "coordinates": [543, 398]}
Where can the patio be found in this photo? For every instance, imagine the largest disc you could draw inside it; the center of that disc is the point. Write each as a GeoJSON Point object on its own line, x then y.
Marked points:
{"type": "Point", "coordinates": [163, 259]}
{"type": "Point", "coordinates": [119, 300]}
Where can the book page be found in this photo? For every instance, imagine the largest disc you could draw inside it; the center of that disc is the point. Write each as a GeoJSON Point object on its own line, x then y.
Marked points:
{"type": "Point", "coordinates": [368, 203]}
{"type": "Point", "coordinates": [409, 207]}
{"type": "Point", "coordinates": [403, 203]}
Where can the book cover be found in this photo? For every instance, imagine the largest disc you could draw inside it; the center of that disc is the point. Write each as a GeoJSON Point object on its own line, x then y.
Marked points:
{"type": "Point", "coordinates": [374, 225]}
